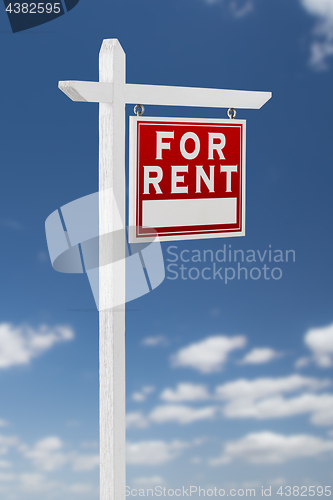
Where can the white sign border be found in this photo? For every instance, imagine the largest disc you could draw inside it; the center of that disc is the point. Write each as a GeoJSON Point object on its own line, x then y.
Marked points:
{"type": "Point", "coordinates": [133, 185]}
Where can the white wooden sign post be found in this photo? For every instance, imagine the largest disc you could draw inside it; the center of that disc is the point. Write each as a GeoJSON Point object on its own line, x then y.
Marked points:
{"type": "Point", "coordinates": [112, 93]}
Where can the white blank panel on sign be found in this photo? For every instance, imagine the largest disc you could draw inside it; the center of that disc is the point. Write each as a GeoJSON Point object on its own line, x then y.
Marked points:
{"type": "Point", "coordinates": [194, 212]}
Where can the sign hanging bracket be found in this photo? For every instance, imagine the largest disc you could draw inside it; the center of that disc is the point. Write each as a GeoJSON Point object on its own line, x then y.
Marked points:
{"type": "Point", "coordinates": [139, 109]}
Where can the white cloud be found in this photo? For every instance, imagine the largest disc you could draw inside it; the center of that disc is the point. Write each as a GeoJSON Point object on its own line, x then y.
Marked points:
{"type": "Point", "coordinates": [241, 9]}
{"type": "Point", "coordinates": [155, 341]}
{"type": "Point", "coordinates": [5, 464]}
{"type": "Point", "coordinates": [322, 8]}
{"type": "Point", "coordinates": [272, 448]}
{"type": "Point", "coordinates": [7, 442]}
{"type": "Point", "coordinates": [136, 420]}
{"type": "Point", "coordinates": [237, 8]}
{"type": "Point", "coordinates": [320, 51]}
{"type": "Point", "coordinates": [181, 414]}
{"type": "Point", "coordinates": [260, 355]}
{"type": "Point", "coordinates": [320, 341]}
{"type": "Point", "coordinates": [319, 406]}
{"type": "Point", "coordinates": [302, 362]}
{"type": "Point", "coordinates": [85, 462]}
{"type": "Point", "coordinates": [149, 481]}
{"type": "Point", "coordinates": [92, 445]}
{"type": "Point", "coordinates": [266, 386]}
{"type": "Point", "coordinates": [81, 488]}
{"type": "Point", "coordinates": [185, 391]}
{"type": "Point", "coordinates": [34, 482]}
{"type": "Point", "coordinates": [153, 452]}
{"type": "Point", "coordinates": [46, 455]}
{"type": "Point", "coordinates": [277, 481]}
{"type": "Point", "coordinates": [141, 396]}
{"type": "Point", "coordinates": [19, 345]}
{"type": "Point", "coordinates": [208, 355]}
{"type": "Point", "coordinates": [49, 454]}
{"type": "Point", "coordinates": [322, 45]}
{"type": "Point", "coordinates": [323, 414]}
{"type": "Point", "coordinates": [7, 477]}
{"type": "Point", "coordinates": [262, 398]}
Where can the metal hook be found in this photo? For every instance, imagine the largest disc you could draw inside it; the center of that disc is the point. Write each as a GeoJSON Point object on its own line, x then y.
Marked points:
{"type": "Point", "coordinates": [139, 109]}
{"type": "Point", "coordinates": [232, 113]}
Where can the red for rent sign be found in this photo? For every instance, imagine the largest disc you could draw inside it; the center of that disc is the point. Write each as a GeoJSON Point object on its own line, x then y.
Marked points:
{"type": "Point", "coordinates": [187, 178]}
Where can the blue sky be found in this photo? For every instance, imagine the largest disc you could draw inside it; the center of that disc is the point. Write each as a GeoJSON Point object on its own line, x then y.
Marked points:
{"type": "Point", "coordinates": [228, 385]}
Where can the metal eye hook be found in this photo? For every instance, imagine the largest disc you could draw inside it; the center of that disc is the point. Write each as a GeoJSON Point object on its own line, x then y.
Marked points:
{"type": "Point", "coordinates": [139, 109]}
{"type": "Point", "coordinates": [232, 113]}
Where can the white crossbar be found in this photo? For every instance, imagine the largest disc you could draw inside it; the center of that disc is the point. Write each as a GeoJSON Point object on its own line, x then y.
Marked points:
{"type": "Point", "coordinates": [166, 96]}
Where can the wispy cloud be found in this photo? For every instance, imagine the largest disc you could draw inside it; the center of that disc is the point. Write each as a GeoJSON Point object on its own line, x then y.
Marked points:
{"type": "Point", "coordinates": [50, 454]}
{"type": "Point", "coordinates": [272, 448]}
{"type": "Point", "coordinates": [264, 398]}
{"type": "Point", "coordinates": [241, 8]}
{"type": "Point", "coordinates": [260, 399]}
{"type": "Point", "coordinates": [208, 355]}
{"type": "Point", "coordinates": [47, 454]}
{"type": "Point", "coordinates": [267, 386]}
{"type": "Point", "coordinates": [322, 8]}
{"type": "Point", "coordinates": [237, 8]}
{"type": "Point", "coordinates": [322, 44]}
{"type": "Point", "coordinates": [319, 406]}
{"type": "Point", "coordinates": [136, 420]}
{"type": "Point", "coordinates": [156, 340]}
{"type": "Point", "coordinates": [154, 452]}
{"type": "Point", "coordinates": [20, 344]}
{"type": "Point", "coordinates": [181, 414]}
{"type": "Point", "coordinates": [320, 342]}
{"type": "Point", "coordinates": [33, 483]}
{"type": "Point", "coordinates": [169, 413]}
{"type": "Point", "coordinates": [82, 489]}
{"type": "Point", "coordinates": [84, 463]}
{"type": "Point", "coordinates": [149, 481]}
{"type": "Point", "coordinates": [260, 355]}
{"type": "Point", "coordinates": [185, 391]}
{"type": "Point", "coordinates": [5, 464]}
{"type": "Point", "coordinates": [8, 442]}
{"type": "Point", "coordinates": [140, 396]}
{"type": "Point", "coordinates": [44, 457]}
